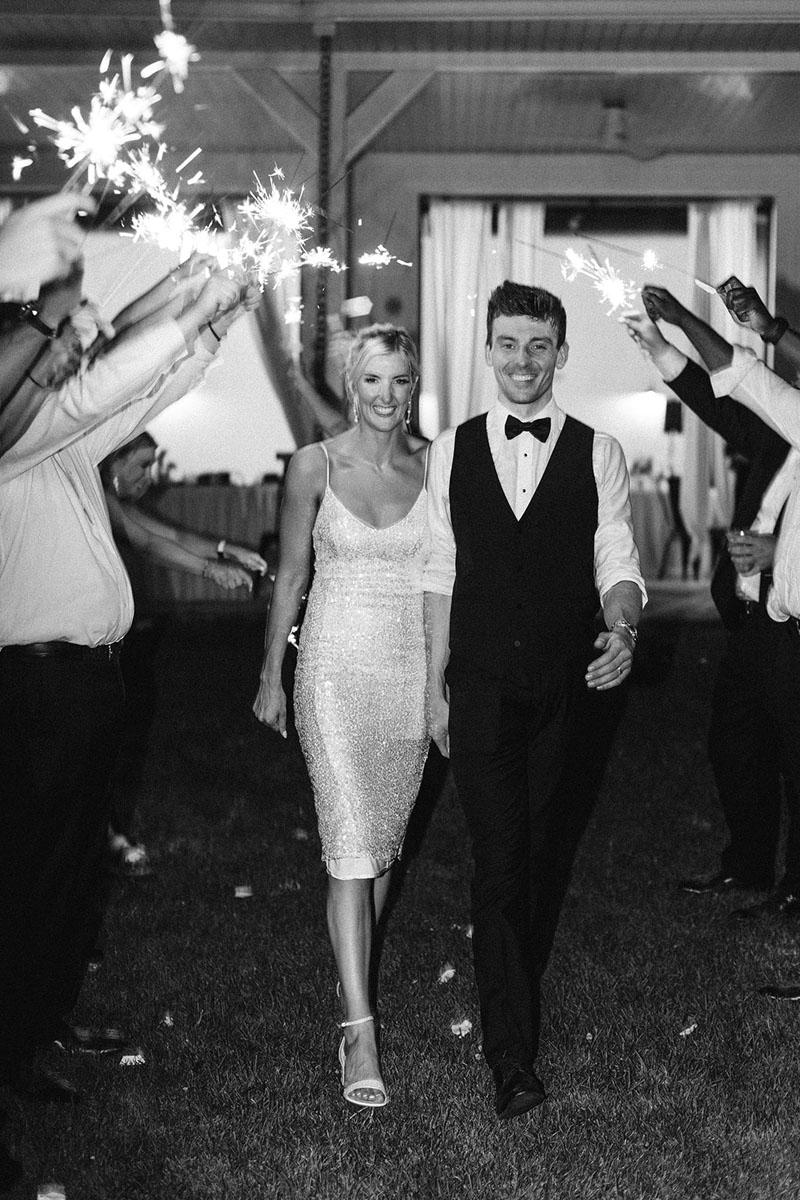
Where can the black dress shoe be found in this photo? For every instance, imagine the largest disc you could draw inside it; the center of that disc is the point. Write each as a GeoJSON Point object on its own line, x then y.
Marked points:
{"type": "Point", "coordinates": [91, 1041]}
{"type": "Point", "coordinates": [781, 906]}
{"type": "Point", "coordinates": [777, 991]}
{"type": "Point", "coordinates": [719, 884]}
{"type": "Point", "coordinates": [518, 1089]}
{"type": "Point", "coordinates": [34, 1083]}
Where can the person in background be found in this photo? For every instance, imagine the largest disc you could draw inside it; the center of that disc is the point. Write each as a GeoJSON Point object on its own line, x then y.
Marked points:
{"type": "Point", "coordinates": [531, 534]}
{"type": "Point", "coordinates": [127, 475]}
{"type": "Point", "coordinates": [65, 606]}
{"type": "Point", "coordinates": [357, 501]}
{"type": "Point", "coordinates": [743, 743]}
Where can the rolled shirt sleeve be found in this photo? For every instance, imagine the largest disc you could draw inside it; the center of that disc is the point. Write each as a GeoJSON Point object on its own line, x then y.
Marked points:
{"type": "Point", "coordinates": [440, 571]}
{"type": "Point", "coordinates": [616, 558]}
{"type": "Point", "coordinates": [751, 382]}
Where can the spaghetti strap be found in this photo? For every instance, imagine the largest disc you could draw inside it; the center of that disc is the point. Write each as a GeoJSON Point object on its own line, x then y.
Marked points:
{"type": "Point", "coordinates": [425, 475]}
{"type": "Point", "coordinates": [327, 465]}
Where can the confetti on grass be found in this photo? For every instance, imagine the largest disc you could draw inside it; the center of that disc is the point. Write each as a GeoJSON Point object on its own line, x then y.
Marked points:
{"type": "Point", "coordinates": [243, 891]}
{"type": "Point", "coordinates": [688, 1030]}
{"type": "Point", "coordinates": [462, 1028]}
{"type": "Point", "coordinates": [136, 1059]}
{"type": "Point", "coordinates": [446, 973]}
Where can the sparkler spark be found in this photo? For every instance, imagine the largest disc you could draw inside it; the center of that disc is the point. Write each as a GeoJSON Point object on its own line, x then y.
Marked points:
{"type": "Point", "coordinates": [321, 257]}
{"type": "Point", "coordinates": [18, 165]}
{"type": "Point", "coordinates": [614, 290]}
{"type": "Point", "coordinates": [380, 257]}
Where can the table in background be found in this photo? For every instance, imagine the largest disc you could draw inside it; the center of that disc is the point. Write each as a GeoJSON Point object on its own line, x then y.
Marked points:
{"type": "Point", "coordinates": [652, 527]}
{"type": "Point", "coordinates": [244, 515]}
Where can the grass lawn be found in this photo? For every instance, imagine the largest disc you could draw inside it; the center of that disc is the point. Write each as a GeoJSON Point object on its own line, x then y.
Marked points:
{"type": "Point", "coordinates": [669, 1077]}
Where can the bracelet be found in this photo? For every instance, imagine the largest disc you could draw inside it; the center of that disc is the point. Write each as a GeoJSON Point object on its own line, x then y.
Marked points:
{"type": "Point", "coordinates": [621, 623]}
{"type": "Point", "coordinates": [213, 330]}
{"type": "Point", "coordinates": [221, 548]}
{"type": "Point", "coordinates": [774, 335]}
{"type": "Point", "coordinates": [29, 313]}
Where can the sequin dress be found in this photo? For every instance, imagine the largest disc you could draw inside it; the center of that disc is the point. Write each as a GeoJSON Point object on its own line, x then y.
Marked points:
{"type": "Point", "coordinates": [360, 684]}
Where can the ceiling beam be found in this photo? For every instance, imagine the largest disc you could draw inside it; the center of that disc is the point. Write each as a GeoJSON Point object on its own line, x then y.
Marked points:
{"type": "Point", "coordinates": [663, 62]}
{"type": "Point", "coordinates": [312, 12]}
{"type": "Point", "coordinates": [382, 106]}
{"type": "Point", "coordinates": [283, 105]}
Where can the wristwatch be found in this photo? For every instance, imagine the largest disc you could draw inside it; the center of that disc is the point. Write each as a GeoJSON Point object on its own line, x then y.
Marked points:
{"type": "Point", "coordinates": [621, 623]}
{"type": "Point", "coordinates": [29, 313]}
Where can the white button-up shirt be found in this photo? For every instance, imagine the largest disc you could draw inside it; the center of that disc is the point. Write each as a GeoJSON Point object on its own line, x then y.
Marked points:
{"type": "Point", "coordinates": [520, 463]}
{"type": "Point", "coordinates": [61, 576]}
{"type": "Point", "coordinates": [750, 381]}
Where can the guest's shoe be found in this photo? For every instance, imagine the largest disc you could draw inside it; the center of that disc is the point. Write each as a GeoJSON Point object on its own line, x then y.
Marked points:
{"type": "Point", "coordinates": [91, 1041]}
{"type": "Point", "coordinates": [518, 1089]}
{"type": "Point", "coordinates": [780, 906]}
{"type": "Point", "coordinates": [374, 1085]}
{"type": "Point", "coordinates": [35, 1083]}
{"type": "Point", "coordinates": [777, 991]}
{"type": "Point", "coordinates": [719, 884]}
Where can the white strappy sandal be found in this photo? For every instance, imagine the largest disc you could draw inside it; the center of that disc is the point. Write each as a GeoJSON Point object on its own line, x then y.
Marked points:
{"type": "Point", "coordinates": [376, 1085]}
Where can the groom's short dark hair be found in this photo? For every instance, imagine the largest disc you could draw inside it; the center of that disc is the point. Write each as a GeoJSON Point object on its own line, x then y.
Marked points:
{"type": "Point", "coordinates": [518, 300]}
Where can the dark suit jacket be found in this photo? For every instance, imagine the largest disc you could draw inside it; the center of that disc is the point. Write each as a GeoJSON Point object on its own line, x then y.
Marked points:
{"type": "Point", "coordinates": [748, 435]}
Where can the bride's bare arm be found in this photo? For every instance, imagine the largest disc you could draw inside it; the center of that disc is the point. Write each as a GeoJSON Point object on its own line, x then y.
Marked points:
{"type": "Point", "coordinates": [305, 481]}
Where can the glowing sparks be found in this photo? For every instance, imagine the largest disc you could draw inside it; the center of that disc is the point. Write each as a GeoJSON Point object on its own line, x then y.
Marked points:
{"type": "Point", "coordinates": [650, 261]}
{"type": "Point", "coordinates": [294, 313]}
{"type": "Point", "coordinates": [18, 165]}
{"type": "Point", "coordinates": [322, 257]}
{"type": "Point", "coordinates": [380, 257]}
{"type": "Point", "coordinates": [614, 290]}
{"type": "Point", "coordinates": [278, 210]}
{"type": "Point", "coordinates": [175, 56]}
{"type": "Point", "coordinates": [116, 119]}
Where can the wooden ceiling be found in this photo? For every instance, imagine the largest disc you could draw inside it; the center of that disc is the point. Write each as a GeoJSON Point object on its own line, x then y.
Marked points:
{"type": "Point", "coordinates": [624, 77]}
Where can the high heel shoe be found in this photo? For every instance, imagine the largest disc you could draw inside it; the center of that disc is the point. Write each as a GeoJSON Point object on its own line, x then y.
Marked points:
{"type": "Point", "coordinates": [373, 1084]}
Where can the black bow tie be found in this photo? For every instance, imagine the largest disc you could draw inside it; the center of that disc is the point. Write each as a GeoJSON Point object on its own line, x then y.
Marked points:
{"type": "Point", "coordinates": [539, 428]}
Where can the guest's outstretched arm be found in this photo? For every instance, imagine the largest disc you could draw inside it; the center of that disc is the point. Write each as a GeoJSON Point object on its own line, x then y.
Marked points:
{"type": "Point", "coordinates": [750, 309]}
{"type": "Point", "coordinates": [661, 305]}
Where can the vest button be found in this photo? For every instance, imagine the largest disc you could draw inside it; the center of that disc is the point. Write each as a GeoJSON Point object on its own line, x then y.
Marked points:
{"type": "Point", "coordinates": [517, 644]}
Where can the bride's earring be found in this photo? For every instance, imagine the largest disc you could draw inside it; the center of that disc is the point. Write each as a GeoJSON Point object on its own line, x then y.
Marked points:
{"type": "Point", "coordinates": [408, 419]}
{"type": "Point", "coordinates": [355, 412]}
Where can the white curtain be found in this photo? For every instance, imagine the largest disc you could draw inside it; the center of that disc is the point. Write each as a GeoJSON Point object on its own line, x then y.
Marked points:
{"type": "Point", "coordinates": [723, 241]}
{"type": "Point", "coordinates": [468, 247]}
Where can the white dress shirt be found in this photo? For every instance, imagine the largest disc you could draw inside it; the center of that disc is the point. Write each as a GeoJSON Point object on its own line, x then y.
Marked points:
{"type": "Point", "coordinates": [750, 381]}
{"type": "Point", "coordinates": [61, 576]}
{"type": "Point", "coordinates": [520, 463]}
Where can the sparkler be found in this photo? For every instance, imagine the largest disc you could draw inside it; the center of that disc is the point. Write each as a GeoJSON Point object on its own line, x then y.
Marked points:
{"type": "Point", "coordinates": [175, 52]}
{"type": "Point", "coordinates": [380, 258]}
{"type": "Point", "coordinates": [614, 290]}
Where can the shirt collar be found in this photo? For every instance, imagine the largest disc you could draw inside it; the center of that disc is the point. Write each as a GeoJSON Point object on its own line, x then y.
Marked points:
{"type": "Point", "coordinates": [499, 411]}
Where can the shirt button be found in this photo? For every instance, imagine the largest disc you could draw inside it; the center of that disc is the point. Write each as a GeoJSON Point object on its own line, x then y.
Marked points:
{"type": "Point", "coordinates": [516, 644]}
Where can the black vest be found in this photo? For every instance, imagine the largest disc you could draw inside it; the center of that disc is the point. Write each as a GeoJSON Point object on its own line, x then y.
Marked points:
{"type": "Point", "coordinates": [524, 592]}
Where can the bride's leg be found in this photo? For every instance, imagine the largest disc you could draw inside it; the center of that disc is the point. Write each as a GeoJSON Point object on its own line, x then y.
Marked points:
{"type": "Point", "coordinates": [350, 925]}
{"type": "Point", "coordinates": [380, 892]}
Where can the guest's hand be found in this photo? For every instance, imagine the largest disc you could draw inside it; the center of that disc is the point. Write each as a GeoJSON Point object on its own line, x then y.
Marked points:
{"type": "Point", "coordinates": [438, 722]}
{"type": "Point", "coordinates": [751, 553]}
{"type": "Point", "coordinates": [613, 666]}
{"type": "Point", "coordinates": [661, 305]}
{"type": "Point", "coordinates": [39, 242]}
{"type": "Point", "coordinates": [247, 558]}
{"type": "Point", "coordinates": [270, 707]}
{"type": "Point", "coordinates": [748, 308]}
{"type": "Point", "coordinates": [645, 332]}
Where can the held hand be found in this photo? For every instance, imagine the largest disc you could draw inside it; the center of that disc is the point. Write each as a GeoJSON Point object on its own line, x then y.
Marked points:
{"type": "Point", "coordinates": [247, 558]}
{"type": "Point", "coordinates": [644, 331]}
{"type": "Point", "coordinates": [751, 553]}
{"type": "Point", "coordinates": [270, 707]}
{"type": "Point", "coordinates": [748, 308]}
{"type": "Point", "coordinates": [438, 722]}
{"type": "Point", "coordinates": [227, 575]}
{"type": "Point", "coordinates": [220, 295]}
{"type": "Point", "coordinates": [39, 242]}
{"type": "Point", "coordinates": [661, 305]}
{"type": "Point", "coordinates": [613, 666]}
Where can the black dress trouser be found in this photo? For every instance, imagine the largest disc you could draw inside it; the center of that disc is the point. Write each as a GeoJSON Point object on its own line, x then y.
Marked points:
{"type": "Point", "coordinates": [754, 737]}
{"type": "Point", "coordinates": [60, 722]}
{"type": "Point", "coordinates": [508, 746]}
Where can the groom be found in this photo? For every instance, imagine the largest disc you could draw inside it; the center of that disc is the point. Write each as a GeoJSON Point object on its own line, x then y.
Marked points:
{"type": "Point", "coordinates": [531, 534]}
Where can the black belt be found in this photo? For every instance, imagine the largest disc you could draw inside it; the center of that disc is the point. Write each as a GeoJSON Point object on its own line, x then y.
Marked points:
{"type": "Point", "coordinates": [104, 653]}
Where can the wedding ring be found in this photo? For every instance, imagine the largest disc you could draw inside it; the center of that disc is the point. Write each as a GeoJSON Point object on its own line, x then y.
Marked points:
{"type": "Point", "coordinates": [619, 670]}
